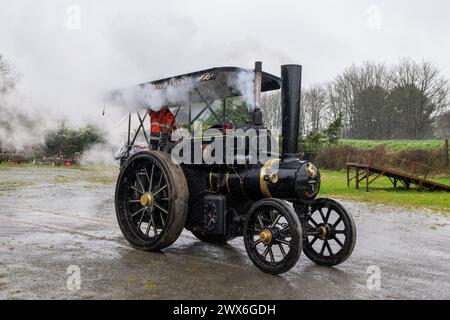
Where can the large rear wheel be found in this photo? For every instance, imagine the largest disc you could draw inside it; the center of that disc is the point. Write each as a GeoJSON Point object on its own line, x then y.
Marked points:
{"type": "Point", "coordinates": [151, 200]}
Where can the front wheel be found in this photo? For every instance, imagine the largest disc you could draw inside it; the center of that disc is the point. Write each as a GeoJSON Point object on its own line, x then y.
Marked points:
{"type": "Point", "coordinates": [329, 232]}
{"type": "Point", "coordinates": [273, 236]}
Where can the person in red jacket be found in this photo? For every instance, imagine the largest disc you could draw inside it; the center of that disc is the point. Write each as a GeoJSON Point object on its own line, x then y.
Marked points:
{"type": "Point", "coordinates": [162, 124]}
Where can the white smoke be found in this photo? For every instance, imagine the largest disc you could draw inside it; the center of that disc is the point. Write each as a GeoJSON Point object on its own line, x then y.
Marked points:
{"type": "Point", "coordinates": [99, 154]}
{"type": "Point", "coordinates": [147, 96]}
{"type": "Point", "coordinates": [20, 130]}
{"type": "Point", "coordinates": [69, 62]}
{"type": "Point", "coordinates": [244, 83]}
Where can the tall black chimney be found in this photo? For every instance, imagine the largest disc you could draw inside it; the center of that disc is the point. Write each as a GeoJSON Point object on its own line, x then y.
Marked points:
{"type": "Point", "coordinates": [291, 83]}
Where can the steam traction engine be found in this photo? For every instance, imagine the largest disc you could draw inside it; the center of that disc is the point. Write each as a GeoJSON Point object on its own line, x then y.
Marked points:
{"type": "Point", "coordinates": [273, 205]}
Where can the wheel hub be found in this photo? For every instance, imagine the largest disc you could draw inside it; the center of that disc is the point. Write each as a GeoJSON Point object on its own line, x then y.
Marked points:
{"type": "Point", "coordinates": [146, 199]}
{"type": "Point", "coordinates": [266, 236]}
{"type": "Point", "coordinates": [324, 231]}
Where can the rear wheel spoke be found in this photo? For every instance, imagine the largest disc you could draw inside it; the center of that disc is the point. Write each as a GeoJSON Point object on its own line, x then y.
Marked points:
{"type": "Point", "coordinates": [140, 182]}
{"type": "Point", "coordinates": [162, 220]}
{"type": "Point", "coordinates": [161, 189]}
{"type": "Point", "coordinates": [135, 213]}
{"type": "Point", "coordinates": [136, 189]}
{"type": "Point", "coordinates": [160, 208]}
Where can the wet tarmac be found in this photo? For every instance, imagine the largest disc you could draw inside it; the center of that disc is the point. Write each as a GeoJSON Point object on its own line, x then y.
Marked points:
{"type": "Point", "coordinates": [56, 222]}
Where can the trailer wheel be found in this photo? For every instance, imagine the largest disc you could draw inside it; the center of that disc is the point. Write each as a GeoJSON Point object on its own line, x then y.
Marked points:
{"type": "Point", "coordinates": [151, 200]}
{"type": "Point", "coordinates": [329, 232]}
{"type": "Point", "coordinates": [273, 236]}
{"type": "Point", "coordinates": [211, 238]}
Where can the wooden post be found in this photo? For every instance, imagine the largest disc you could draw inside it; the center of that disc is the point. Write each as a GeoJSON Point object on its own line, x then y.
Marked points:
{"type": "Point", "coordinates": [357, 177]}
{"type": "Point", "coordinates": [348, 175]}
{"type": "Point", "coordinates": [446, 153]}
{"type": "Point", "coordinates": [367, 179]}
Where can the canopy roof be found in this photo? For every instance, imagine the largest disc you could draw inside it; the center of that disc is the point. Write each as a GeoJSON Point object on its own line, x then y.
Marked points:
{"type": "Point", "coordinates": [196, 87]}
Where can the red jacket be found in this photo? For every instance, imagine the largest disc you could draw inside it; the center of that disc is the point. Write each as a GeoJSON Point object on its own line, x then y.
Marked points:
{"type": "Point", "coordinates": [161, 121]}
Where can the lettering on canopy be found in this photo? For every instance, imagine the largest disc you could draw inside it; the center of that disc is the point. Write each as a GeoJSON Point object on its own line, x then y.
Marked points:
{"type": "Point", "coordinates": [182, 81]}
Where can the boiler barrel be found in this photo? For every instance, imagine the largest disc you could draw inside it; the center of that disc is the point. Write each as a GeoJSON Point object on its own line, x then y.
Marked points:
{"type": "Point", "coordinates": [292, 180]}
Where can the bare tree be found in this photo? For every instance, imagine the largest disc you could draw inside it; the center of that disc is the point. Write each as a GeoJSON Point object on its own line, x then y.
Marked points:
{"type": "Point", "coordinates": [443, 125]}
{"type": "Point", "coordinates": [271, 106]}
{"type": "Point", "coordinates": [419, 94]}
{"type": "Point", "coordinates": [360, 93]}
{"type": "Point", "coordinates": [314, 106]}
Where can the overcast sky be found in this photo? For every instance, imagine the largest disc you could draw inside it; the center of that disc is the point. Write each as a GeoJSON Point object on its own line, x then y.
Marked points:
{"type": "Point", "coordinates": [64, 48]}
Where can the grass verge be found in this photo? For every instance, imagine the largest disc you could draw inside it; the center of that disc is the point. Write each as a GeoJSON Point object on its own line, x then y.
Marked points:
{"type": "Point", "coordinates": [395, 145]}
{"type": "Point", "coordinates": [334, 184]}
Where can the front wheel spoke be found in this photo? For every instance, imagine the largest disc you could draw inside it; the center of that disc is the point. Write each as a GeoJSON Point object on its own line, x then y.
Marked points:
{"type": "Point", "coordinates": [328, 215]}
{"type": "Point", "coordinates": [313, 222]}
{"type": "Point", "coordinates": [160, 208]}
{"type": "Point", "coordinates": [288, 243]}
{"type": "Point", "coordinates": [322, 215]}
{"type": "Point", "coordinates": [260, 221]}
{"type": "Point", "coordinates": [284, 229]}
{"type": "Point", "coordinates": [267, 250]}
{"type": "Point", "coordinates": [134, 201]}
{"type": "Point", "coordinates": [272, 259]}
{"type": "Point", "coordinates": [339, 242]}
{"type": "Point", "coordinates": [282, 250]}
{"type": "Point", "coordinates": [313, 240]}
{"type": "Point", "coordinates": [336, 223]}
{"type": "Point", "coordinates": [329, 247]}
{"type": "Point", "coordinates": [322, 251]}
{"type": "Point", "coordinates": [276, 221]}
{"type": "Point", "coordinates": [339, 231]}
{"type": "Point", "coordinates": [256, 243]}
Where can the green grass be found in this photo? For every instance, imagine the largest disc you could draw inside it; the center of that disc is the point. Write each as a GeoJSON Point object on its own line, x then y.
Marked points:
{"type": "Point", "coordinates": [396, 145]}
{"type": "Point", "coordinates": [30, 165]}
{"type": "Point", "coordinates": [334, 184]}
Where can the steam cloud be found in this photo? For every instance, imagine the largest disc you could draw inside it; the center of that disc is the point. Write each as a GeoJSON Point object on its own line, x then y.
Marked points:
{"type": "Point", "coordinates": [68, 68]}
